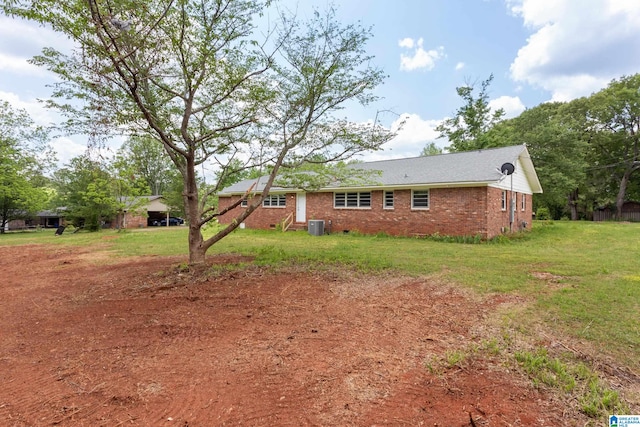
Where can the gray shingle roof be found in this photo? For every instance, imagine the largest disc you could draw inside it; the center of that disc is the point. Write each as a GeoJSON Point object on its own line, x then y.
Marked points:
{"type": "Point", "coordinates": [482, 167]}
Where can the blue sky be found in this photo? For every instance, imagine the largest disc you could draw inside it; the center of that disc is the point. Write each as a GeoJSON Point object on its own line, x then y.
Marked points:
{"type": "Point", "coordinates": [537, 50]}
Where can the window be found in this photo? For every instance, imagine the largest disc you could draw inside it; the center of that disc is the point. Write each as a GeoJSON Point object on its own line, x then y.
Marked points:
{"type": "Point", "coordinates": [524, 202]}
{"type": "Point", "coordinates": [275, 201]}
{"type": "Point", "coordinates": [503, 205]}
{"type": "Point", "coordinates": [244, 203]}
{"type": "Point", "coordinates": [352, 200]}
{"type": "Point", "coordinates": [420, 199]}
{"type": "Point", "coordinates": [388, 199]}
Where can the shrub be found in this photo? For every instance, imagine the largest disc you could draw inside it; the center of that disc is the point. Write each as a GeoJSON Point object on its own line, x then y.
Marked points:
{"type": "Point", "coordinates": [543, 214]}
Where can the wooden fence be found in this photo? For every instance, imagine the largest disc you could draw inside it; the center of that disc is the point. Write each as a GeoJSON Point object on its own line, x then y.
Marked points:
{"type": "Point", "coordinates": [606, 215]}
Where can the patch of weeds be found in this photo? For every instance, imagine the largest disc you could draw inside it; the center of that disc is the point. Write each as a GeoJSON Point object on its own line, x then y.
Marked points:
{"type": "Point", "coordinates": [183, 267]}
{"type": "Point", "coordinates": [454, 358]}
{"type": "Point", "coordinates": [500, 239]}
{"type": "Point", "coordinates": [546, 370]}
{"type": "Point", "coordinates": [507, 338]}
{"type": "Point", "coordinates": [381, 235]}
{"type": "Point", "coordinates": [437, 237]}
{"type": "Point", "coordinates": [451, 358]}
{"type": "Point", "coordinates": [594, 397]}
{"type": "Point", "coordinates": [491, 346]}
{"type": "Point", "coordinates": [433, 365]}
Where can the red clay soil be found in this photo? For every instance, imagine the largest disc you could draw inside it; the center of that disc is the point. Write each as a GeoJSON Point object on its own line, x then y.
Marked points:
{"type": "Point", "coordinates": [92, 341]}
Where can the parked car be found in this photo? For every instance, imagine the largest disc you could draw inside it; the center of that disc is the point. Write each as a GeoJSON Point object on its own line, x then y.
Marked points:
{"type": "Point", "coordinates": [172, 221]}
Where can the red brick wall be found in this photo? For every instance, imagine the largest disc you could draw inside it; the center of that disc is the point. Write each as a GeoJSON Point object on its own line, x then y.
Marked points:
{"type": "Point", "coordinates": [452, 212]}
{"type": "Point", "coordinates": [136, 220]}
{"type": "Point", "coordinates": [261, 217]}
{"type": "Point", "coordinates": [131, 220]}
{"type": "Point", "coordinates": [498, 219]}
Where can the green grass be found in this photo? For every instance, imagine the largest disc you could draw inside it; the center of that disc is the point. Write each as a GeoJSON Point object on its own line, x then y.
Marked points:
{"type": "Point", "coordinates": [595, 294]}
{"type": "Point", "coordinates": [573, 378]}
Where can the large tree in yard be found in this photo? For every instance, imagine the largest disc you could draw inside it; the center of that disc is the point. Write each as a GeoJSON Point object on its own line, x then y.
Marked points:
{"type": "Point", "coordinates": [211, 83]}
{"type": "Point", "coordinates": [24, 155]}
{"type": "Point", "coordinates": [613, 117]}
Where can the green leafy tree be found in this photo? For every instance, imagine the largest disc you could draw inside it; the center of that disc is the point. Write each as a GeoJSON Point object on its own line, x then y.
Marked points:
{"type": "Point", "coordinates": [143, 167]}
{"type": "Point", "coordinates": [613, 117]}
{"type": "Point", "coordinates": [143, 158]}
{"type": "Point", "coordinates": [558, 144]}
{"type": "Point", "coordinates": [467, 129]}
{"type": "Point", "coordinates": [23, 160]}
{"type": "Point", "coordinates": [191, 75]}
{"type": "Point", "coordinates": [431, 149]}
{"type": "Point", "coordinates": [87, 192]}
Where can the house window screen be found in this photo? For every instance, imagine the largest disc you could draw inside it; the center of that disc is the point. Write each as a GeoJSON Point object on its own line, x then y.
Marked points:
{"type": "Point", "coordinates": [524, 202]}
{"type": "Point", "coordinates": [352, 200]}
{"type": "Point", "coordinates": [420, 199]}
{"type": "Point", "coordinates": [275, 201]}
{"type": "Point", "coordinates": [503, 202]}
{"type": "Point", "coordinates": [388, 199]}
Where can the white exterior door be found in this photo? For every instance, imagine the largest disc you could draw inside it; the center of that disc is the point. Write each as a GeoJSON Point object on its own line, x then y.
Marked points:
{"type": "Point", "coordinates": [301, 207]}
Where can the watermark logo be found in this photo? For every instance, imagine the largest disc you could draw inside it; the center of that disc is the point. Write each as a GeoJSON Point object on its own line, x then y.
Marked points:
{"type": "Point", "coordinates": [624, 420]}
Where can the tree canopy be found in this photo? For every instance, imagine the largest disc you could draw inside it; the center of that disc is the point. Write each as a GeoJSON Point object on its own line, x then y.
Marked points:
{"type": "Point", "coordinates": [198, 78]}
{"type": "Point", "coordinates": [87, 192]}
{"type": "Point", "coordinates": [467, 129]}
{"type": "Point", "coordinates": [24, 157]}
{"type": "Point", "coordinates": [586, 152]}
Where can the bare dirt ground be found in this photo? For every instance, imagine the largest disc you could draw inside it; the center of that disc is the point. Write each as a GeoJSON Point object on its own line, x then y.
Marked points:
{"type": "Point", "coordinates": [90, 341]}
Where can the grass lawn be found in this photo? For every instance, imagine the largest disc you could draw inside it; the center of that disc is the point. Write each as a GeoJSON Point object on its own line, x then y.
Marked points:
{"type": "Point", "coordinates": [583, 278]}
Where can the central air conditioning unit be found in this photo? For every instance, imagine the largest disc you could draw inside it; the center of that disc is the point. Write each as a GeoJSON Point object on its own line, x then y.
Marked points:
{"type": "Point", "coordinates": [316, 227]}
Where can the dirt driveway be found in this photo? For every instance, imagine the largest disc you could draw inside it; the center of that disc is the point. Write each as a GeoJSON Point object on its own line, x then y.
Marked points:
{"type": "Point", "coordinates": [92, 341]}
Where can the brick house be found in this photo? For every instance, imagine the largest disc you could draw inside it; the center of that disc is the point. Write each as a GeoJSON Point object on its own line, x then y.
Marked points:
{"type": "Point", "coordinates": [141, 211]}
{"type": "Point", "coordinates": [456, 194]}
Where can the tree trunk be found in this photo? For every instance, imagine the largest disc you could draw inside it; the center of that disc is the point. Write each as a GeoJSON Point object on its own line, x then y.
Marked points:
{"type": "Point", "coordinates": [196, 250]}
{"type": "Point", "coordinates": [622, 190]}
{"type": "Point", "coordinates": [573, 204]}
{"type": "Point", "coordinates": [192, 206]}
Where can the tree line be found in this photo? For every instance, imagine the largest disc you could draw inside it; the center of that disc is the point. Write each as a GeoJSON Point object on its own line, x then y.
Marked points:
{"type": "Point", "coordinates": [90, 189]}
{"type": "Point", "coordinates": [246, 85]}
{"type": "Point", "coordinates": [586, 151]}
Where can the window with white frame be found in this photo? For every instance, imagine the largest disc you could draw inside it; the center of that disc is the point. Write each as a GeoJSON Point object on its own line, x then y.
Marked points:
{"type": "Point", "coordinates": [275, 201]}
{"type": "Point", "coordinates": [420, 199]}
{"type": "Point", "coordinates": [503, 202]}
{"type": "Point", "coordinates": [244, 203]}
{"type": "Point", "coordinates": [388, 199]}
{"type": "Point", "coordinates": [524, 202]}
{"type": "Point", "coordinates": [352, 200]}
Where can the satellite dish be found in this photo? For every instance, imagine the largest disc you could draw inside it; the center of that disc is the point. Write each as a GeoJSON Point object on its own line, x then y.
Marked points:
{"type": "Point", "coordinates": [507, 168]}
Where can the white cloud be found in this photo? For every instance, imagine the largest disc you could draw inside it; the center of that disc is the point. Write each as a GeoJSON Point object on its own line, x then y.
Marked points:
{"type": "Point", "coordinates": [576, 46]}
{"type": "Point", "coordinates": [410, 140]}
{"type": "Point", "coordinates": [66, 149]}
{"type": "Point", "coordinates": [36, 110]}
{"type": "Point", "coordinates": [19, 65]}
{"type": "Point", "coordinates": [460, 66]}
{"type": "Point", "coordinates": [406, 43]}
{"type": "Point", "coordinates": [512, 105]}
{"type": "Point", "coordinates": [419, 58]}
